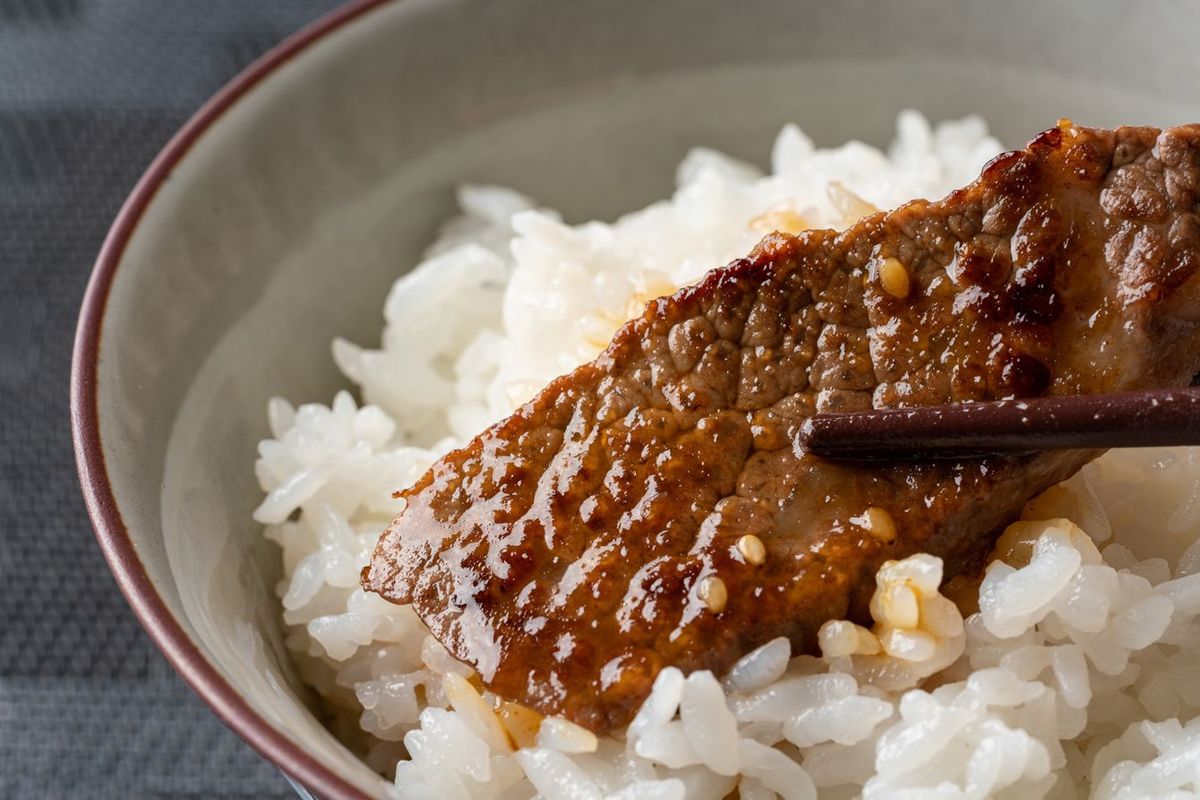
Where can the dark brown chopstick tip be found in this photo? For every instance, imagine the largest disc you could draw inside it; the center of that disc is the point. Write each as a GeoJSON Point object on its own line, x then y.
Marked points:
{"type": "Point", "coordinates": [1155, 417]}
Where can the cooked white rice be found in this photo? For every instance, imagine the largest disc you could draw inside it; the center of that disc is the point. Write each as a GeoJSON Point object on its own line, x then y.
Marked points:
{"type": "Point", "coordinates": [1076, 671]}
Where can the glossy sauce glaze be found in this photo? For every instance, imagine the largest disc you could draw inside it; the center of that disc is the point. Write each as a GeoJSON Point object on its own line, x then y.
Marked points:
{"type": "Point", "coordinates": [652, 507]}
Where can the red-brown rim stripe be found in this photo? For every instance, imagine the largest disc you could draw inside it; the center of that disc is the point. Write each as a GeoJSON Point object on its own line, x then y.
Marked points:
{"type": "Point", "coordinates": [111, 533]}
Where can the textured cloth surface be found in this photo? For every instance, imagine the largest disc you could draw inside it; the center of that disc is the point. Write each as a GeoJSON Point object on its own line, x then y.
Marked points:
{"type": "Point", "coordinates": [89, 91]}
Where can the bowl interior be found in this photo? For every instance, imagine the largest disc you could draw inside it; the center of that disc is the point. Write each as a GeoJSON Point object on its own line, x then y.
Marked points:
{"type": "Point", "coordinates": [284, 225]}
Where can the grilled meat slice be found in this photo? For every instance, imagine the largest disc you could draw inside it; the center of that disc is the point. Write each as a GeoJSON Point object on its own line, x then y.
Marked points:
{"type": "Point", "coordinates": [599, 534]}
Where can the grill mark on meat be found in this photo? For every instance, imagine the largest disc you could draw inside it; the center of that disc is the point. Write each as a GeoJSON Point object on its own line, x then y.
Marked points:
{"type": "Point", "coordinates": [563, 552]}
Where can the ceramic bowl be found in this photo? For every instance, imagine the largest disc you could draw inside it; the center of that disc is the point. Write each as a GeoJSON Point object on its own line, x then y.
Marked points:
{"type": "Point", "coordinates": [278, 217]}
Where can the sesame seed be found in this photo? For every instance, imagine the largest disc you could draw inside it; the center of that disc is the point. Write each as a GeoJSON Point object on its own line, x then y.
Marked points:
{"type": "Point", "coordinates": [894, 278]}
{"type": "Point", "coordinates": [843, 638]}
{"type": "Point", "coordinates": [837, 638]}
{"type": "Point", "coordinates": [714, 594]}
{"type": "Point", "coordinates": [900, 606]}
{"type": "Point", "coordinates": [877, 522]}
{"type": "Point", "coordinates": [752, 549]}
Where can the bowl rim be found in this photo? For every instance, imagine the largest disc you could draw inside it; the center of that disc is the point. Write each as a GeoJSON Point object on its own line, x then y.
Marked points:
{"type": "Point", "coordinates": [98, 493]}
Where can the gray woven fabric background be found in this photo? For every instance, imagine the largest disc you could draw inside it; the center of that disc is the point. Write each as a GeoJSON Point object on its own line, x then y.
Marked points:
{"type": "Point", "coordinates": [89, 91]}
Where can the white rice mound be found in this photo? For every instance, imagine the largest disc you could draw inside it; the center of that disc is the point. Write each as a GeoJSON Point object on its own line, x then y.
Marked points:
{"type": "Point", "coordinates": [1073, 670]}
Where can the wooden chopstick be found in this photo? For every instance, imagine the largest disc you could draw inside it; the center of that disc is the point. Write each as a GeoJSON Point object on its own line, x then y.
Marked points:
{"type": "Point", "coordinates": [1154, 417]}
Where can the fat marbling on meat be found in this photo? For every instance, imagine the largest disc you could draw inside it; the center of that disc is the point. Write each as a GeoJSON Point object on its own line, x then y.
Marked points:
{"type": "Point", "coordinates": [651, 508]}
